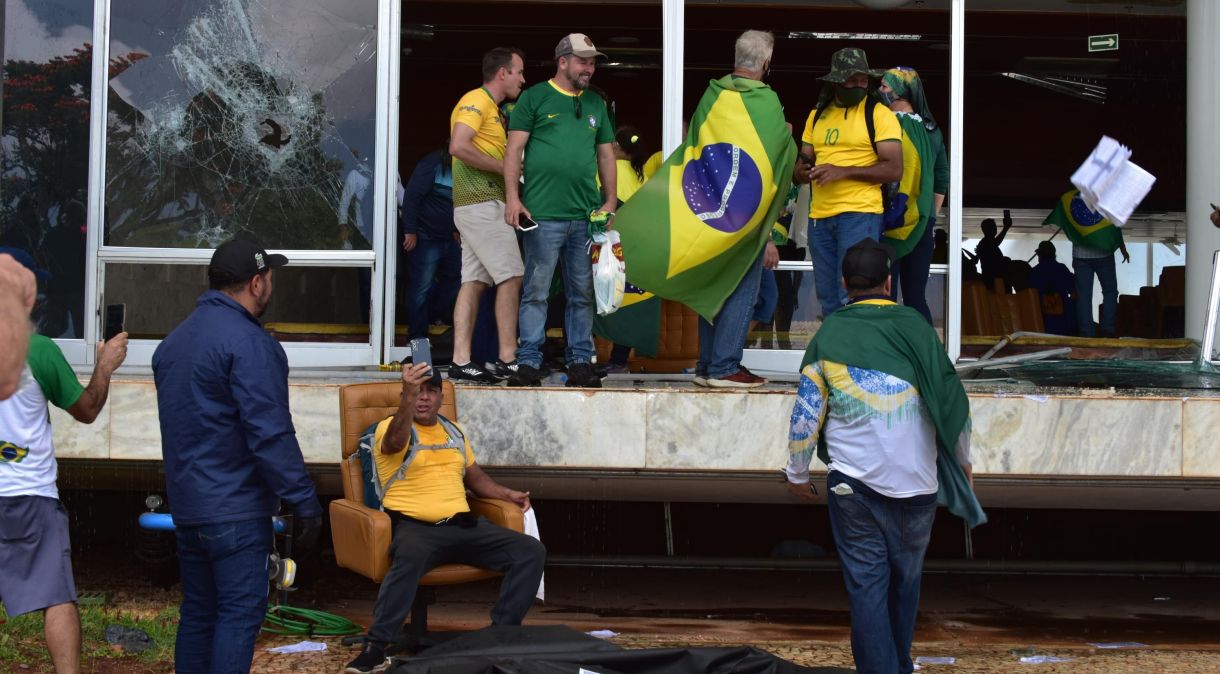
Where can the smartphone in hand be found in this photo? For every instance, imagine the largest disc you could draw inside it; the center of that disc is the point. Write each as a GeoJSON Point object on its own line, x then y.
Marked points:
{"type": "Point", "coordinates": [421, 352]}
{"type": "Point", "coordinates": [525, 223]}
{"type": "Point", "coordinates": [1007, 218]}
{"type": "Point", "coordinates": [116, 318]}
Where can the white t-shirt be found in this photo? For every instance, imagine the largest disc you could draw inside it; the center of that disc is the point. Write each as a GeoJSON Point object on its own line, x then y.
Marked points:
{"type": "Point", "coordinates": [27, 455]}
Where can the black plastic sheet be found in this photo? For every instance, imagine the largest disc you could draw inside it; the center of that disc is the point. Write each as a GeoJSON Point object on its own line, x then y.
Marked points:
{"type": "Point", "coordinates": [562, 650]}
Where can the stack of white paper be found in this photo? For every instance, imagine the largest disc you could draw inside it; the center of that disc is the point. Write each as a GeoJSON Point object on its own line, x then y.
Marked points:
{"type": "Point", "coordinates": [1110, 183]}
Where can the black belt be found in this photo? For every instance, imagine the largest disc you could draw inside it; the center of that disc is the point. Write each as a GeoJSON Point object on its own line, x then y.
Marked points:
{"type": "Point", "coordinates": [465, 520]}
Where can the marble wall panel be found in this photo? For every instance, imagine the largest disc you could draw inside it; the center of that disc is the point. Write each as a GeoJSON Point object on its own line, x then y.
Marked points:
{"type": "Point", "coordinates": [1077, 436]}
{"type": "Point", "coordinates": [561, 428]}
{"type": "Point", "coordinates": [1200, 444]}
{"type": "Point", "coordinates": [712, 430]}
{"type": "Point", "coordinates": [135, 430]}
{"type": "Point", "coordinates": [315, 415]}
{"type": "Point", "coordinates": [74, 440]}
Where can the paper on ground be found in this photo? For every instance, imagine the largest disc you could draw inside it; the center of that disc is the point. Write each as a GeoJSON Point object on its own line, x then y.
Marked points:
{"type": "Point", "coordinates": [302, 647]}
{"type": "Point", "coordinates": [1042, 659]}
{"type": "Point", "coordinates": [531, 529]}
{"type": "Point", "coordinates": [1119, 644]}
{"type": "Point", "coordinates": [935, 660]}
{"type": "Point", "coordinates": [602, 634]}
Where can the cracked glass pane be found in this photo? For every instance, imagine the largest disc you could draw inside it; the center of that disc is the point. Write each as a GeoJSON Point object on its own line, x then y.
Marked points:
{"type": "Point", "coordinates": [44, 150]}
{"type": "Point", "coordinates": [230, 116]}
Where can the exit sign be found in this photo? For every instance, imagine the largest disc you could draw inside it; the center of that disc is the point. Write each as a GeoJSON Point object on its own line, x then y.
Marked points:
{"type": "Point", "coordinates": [1103, 42]}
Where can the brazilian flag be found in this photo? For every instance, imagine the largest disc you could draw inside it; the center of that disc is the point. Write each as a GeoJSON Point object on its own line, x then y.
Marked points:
{"type": "Point", "coordinates": [636, 323]}
{"type": "Point", "coordinates": [1082, 225]}
{"type": "Point", "coordinates": [692, 231]}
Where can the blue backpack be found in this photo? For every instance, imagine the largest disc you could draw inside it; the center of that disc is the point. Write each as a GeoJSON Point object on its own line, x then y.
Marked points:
{"type": "Point", "coordinates": [374, 489]}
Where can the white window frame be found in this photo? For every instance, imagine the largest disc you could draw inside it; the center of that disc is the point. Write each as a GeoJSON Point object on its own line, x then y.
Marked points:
{"type": "Point", "coordinates": [300, 354]}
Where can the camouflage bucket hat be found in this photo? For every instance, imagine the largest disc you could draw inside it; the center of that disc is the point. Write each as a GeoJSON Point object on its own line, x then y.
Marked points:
{"type": "Point", "coordinates": [846, 62]}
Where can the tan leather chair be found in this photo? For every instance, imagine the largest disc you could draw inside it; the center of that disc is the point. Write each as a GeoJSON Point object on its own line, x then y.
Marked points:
{"type": "Point", "coordinates": [361, 535]}
{"type": "Point", "coordinates": [677, 345]}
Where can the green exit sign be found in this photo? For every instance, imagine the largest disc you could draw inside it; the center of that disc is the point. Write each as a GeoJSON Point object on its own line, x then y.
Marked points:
{"type": "Point", "coordinates": [1103, 42]}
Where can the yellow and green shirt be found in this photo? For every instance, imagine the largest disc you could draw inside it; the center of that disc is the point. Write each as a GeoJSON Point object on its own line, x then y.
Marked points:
{"type": "Point", "coordinates": [840, 137]}
{"type": "Point", "coordinates": [478, 110]}
{"type": "Point", "coordinates": [433, 487]}
{"type": "Point", "coordinates": [560, 168]}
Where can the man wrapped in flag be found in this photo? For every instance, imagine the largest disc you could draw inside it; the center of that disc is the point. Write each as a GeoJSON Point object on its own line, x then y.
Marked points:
{"type": "Point", "coordinates": [1094, 240]}
{"type": "Point", "coordinates": [699, 231]}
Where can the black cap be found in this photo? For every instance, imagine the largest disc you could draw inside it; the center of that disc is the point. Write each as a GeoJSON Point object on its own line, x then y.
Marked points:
{"type": "Point", "coordinates": [238, 260]}
{"type": "Point", "coordinates": [867, 264]}
{"type": "Point", "coordinates": [436, 377]}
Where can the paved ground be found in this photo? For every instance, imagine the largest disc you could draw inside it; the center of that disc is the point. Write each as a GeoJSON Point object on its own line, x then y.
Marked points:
{"type": "Point", "coordinates": [802, 616]}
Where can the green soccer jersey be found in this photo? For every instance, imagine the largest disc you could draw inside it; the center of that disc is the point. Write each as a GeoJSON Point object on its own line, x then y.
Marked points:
{"type": "Point", "coordinates": [561, 156]}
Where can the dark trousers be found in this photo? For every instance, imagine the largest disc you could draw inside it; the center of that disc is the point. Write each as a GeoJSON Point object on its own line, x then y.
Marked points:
{"type": "Point", "coordinates": [434, 272]}
{"type": "Point", "coordinates": [881, 543]}
{"type": "Point", "coordinates": [911, 273]}
{"type": "Point", "coordinates": [418, 547]}
{"type": "Point", "coordinates": [224, 595]}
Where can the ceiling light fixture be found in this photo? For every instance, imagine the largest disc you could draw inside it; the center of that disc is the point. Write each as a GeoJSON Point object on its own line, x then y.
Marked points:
{"type": "Point", "coordinates": [809, 35]}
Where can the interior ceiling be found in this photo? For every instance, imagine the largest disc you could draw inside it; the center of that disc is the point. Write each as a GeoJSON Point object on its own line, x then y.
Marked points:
{"type": "Point", "coordinates": [1158, 7]}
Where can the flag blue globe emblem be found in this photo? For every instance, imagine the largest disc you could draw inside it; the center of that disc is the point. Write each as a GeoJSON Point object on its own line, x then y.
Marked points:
{"type": "Point", "coordinates": [1082, 214]}
{"type": "Point", "coordinates": [723, 187]}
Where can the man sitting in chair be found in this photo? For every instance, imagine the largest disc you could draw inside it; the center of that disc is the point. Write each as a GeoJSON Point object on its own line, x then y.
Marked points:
{"type": "Point", "coordinates": [432, 521]}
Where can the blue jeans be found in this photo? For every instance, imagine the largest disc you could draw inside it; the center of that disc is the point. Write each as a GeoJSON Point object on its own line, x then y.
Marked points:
{"type": "Point", "coordinates": [829, 239]}
{"type": "Point", "coordinates": [881, 543]}
{"type": "Point", "coordinates": [224, 595]}
{"type": "Point", "coordinates": [562, 243]}
{"type": "Point", "coordinates": [721, 345]}
{"type": "Point", "coordinates": [434, 272]}
{"type": "Point", "coordinates": [1085, 268]}
{"type": "Point", "coordinates": [768, 297]}
{"type": "Point", "coordinates": [911, 273]}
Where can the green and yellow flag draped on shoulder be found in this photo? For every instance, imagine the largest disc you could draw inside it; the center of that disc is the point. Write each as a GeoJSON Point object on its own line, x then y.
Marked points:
{"type": "Point", "coordinates": [691, 232]}
{"type": "Point", "coordinates": [1083, 226]}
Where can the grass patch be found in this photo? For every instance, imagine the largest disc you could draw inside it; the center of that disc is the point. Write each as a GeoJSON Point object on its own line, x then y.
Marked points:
{"type": "Point", "coordinates": [21, 638]}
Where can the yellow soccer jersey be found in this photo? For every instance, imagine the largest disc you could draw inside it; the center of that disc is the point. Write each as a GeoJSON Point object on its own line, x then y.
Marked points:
{"type": "Point", "coordinates": [433, 488]}
{"type": "Point", "coordinates": [840, 137]}
{"type": "Point", "coordinates": [479, 111]}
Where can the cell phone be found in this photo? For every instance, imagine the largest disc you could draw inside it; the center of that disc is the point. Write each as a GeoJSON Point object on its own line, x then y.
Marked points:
{"type": "Point", "coordinates": [525, 223]}
{"type": "Point", "coordinates": [1214, 207]}
{"type": "Point", "coordinates": [116, 318]}
{"type": "Point", "coordinates": [421, 352]}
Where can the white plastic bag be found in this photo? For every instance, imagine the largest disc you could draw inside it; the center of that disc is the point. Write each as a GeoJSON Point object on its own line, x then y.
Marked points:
{"type": "Point", "coordinates": [531, 530]}
{"type": "Point", "coordinates": [609, 272]}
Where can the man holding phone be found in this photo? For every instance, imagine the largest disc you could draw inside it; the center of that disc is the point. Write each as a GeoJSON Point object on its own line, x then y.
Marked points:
{"type": "Point", "coordinates": [490, 255]}
{"type": "Point", "coordinates": [33, 523]}
{"type": "Point", "coordinates": [567, 138]}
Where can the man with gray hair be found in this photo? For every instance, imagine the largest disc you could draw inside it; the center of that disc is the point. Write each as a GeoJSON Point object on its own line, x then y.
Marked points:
{"type": "Point", "coordinates": [753, 52]}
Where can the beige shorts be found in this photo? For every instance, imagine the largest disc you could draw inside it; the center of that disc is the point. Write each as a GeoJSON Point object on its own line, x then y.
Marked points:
{"type": "Point", "coordinates": [489, 246]}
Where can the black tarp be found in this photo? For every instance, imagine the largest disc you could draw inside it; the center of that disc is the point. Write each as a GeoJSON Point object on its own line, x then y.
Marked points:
{"type": "Point", "coordinates": [562, 650]}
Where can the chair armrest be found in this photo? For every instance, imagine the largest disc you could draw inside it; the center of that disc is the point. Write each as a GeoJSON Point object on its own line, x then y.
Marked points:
{"type": "Point", "coordinates": [361, 537]}
{"type": "Point", "coordinates": [503, 513]}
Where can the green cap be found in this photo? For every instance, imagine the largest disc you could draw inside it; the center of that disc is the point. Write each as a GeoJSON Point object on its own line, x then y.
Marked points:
{"type": "Point", "coordinates": [847, 62]}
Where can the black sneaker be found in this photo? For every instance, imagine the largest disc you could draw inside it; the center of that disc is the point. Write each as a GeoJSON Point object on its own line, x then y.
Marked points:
{"type": "Point", "coordinates": [371, 659]}
{"type": "Point", "coordinates": [582, 375]}
{"type": "Point", "coordinates": [472, 373]}
{"type": "Point", "coordinates": [526, 375]}
{"type": "Point", "coordinates": [501, 370]}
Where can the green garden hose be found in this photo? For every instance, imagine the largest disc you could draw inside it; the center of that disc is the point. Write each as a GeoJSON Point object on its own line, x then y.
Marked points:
{"type": "Point", "coordinates": [283, 619]}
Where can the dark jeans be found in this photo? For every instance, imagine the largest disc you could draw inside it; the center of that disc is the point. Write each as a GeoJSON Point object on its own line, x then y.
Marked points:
{"type": "Point", "coordinates": [418, 547]}
{"type": "Point", "coordinates": [434, 272]}
{"type": "Point", "coordinates": [881, 543]}
{"type": "Point", "coordinates": [224, 595]}
{"type": "Point", "coordinates": [721, 344]}
{"type": "Point", "coordinates": [911, 273]}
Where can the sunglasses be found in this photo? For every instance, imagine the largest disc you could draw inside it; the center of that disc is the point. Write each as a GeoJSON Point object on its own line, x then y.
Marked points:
{"type": "Point", "coordinates": [576, 107]}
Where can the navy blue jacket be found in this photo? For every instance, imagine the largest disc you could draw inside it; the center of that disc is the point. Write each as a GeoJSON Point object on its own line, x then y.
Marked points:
{"type": "Point", "coordinates": [230, 450]}
{"type": "Point", "coordinates": [427, 203]}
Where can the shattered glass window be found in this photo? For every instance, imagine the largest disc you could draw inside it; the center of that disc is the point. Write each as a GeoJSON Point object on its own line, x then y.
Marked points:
{"type": "Point", "coordinates": [230, 116]}
{"type": "Point", "coordinates": [44, 150]}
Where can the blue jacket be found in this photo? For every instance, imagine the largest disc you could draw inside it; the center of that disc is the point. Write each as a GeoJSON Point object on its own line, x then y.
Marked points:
{"type": "Point", "coordinates": [427, 203]}
{"type": "Point", "coordinates": [227, 439]}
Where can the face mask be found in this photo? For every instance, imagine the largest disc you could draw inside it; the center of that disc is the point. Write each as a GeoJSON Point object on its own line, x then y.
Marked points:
{"type": "Point", "coordinates": [887, 97]}
{"type": "Point", "coordinates": [847, 97]}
